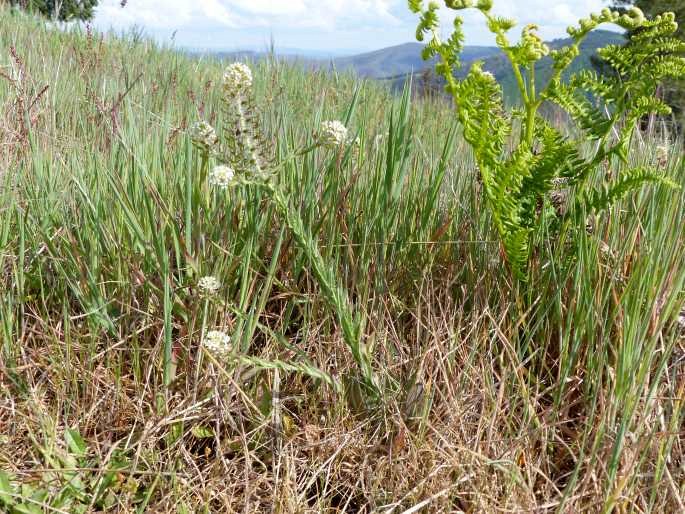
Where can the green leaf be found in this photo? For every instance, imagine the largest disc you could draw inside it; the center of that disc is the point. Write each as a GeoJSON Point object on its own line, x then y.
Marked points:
{"type": "Point", "coordinates": [75, 442]}
{"type": "Point", "coordinates": [28, 508]}
{"type": "Point", "coordinates": [6, 489]}
{"type": "Point", "coordinates": [202, 432]}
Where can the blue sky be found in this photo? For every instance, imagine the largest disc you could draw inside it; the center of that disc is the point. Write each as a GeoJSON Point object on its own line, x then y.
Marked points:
{"type": "Point", "coordinates": [314, 25]}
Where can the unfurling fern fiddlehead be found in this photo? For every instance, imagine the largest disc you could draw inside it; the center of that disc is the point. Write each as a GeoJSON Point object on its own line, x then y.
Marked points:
{"type": "Point", "coordinates": [605, 109]}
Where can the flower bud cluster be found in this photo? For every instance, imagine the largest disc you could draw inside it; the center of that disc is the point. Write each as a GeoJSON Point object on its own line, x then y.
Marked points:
{"type": "Point", "coordinates": [459, 4]}
{"type": "Point", "coordinates": [217, 343]}
{"type": "Point", "coordinates": [237, 79]}
{"type": "Point", "coordinates": [632, 19]}
{"type": "Point", "coordinates": [332, 134]}
{"type": "Point", "coordinates": [209, 285]}
{"type": "Point", "coordinates": [221, 176]}
{"type": "Point", "coordinates": [203, 135]}
{"type": "Point", "coordinates": [531, 48]}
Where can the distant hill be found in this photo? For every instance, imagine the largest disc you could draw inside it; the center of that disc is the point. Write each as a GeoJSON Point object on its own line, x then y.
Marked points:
{"type": "Point", "coordinates": [400, 60]}
{"type": "Point", "coordinates": [497, 63]}
{"type": "Point", "coordinates": [394, 65]}
{"type": "Point", "coordinates": [394, 61]}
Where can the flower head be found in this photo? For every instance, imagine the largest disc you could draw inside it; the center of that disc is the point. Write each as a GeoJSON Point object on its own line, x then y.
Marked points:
{"type": "Point", "coordinates": [217, 343]}
{"type": "Point", "coordinates": [662, 154]}
{"type": "Point", "coordinates": [203, 135]}
{"type": "Point", "coordinates": [209, 285]}
{"type": "Point", "coordinates": [221, 176]}
{"type": "Point", "coordinates": [332, 134]}
{"type": "Point", "coordinates": [237, 79]}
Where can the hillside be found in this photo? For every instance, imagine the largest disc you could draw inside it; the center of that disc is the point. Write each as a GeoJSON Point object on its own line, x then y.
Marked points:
{"type": "Point", "coordinates": [393, 65]}
{"type": "Point", "coordinates": [400, 60]}
{"type": "Point", "coordinates": [498, 65]}
{"type": "Point", "coordinates": [379, 64]}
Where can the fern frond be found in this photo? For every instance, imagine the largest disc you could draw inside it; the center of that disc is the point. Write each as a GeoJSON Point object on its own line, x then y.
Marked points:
{"type": "Point", "coordinates": [482, 115]}
{"type": "Point", "coordinates": [517, 248]}
{"type": "Point", "coordinates": [581, 110]}
{"type": "Point", "coordinates": [522, 176]}
{"type": "Point", "coordinates": [602, 87]}
{"type": "Point", "coordinates": [603, 197]}
{"type": "Point", "coordinates": [559, 159]}
{"type": "Point", "coordinates": [642, 106]}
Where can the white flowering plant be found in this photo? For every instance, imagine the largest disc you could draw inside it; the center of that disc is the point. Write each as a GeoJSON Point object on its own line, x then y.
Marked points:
{"type": "Point", "coordinates": [209, 285]}
{"type": "Point", "coordinates": [221, 176]}
{"type": "Point", "coordinates": [217, 343]}
{"type": "Point", "coordinates": [245, 161]}
{"type": "Point", "coordinates": [203, 136]}
{"type": "Point", "coordinates": [237, 79]}
{"type": "Point", "coordinates": [246, 151]}
{"type": "Point", "coordinates": [333, 134]}
{"type": "Point", "coordinates": [521, 157]}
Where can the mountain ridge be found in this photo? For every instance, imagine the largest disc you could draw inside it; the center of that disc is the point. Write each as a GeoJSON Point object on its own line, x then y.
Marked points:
{"type": "Point", "coordinates": [394, 65]}
{"type": "Point", "coordinates": [498, 64]}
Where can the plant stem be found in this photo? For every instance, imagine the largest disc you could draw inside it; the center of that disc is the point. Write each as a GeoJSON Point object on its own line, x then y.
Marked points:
{"type": "Point", "coordinates": [330, 284]}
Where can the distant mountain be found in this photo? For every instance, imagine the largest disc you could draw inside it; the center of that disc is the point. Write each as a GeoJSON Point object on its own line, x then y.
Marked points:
{"type": "Point", "coordinates": [498, 64]}
{"type": "Point", "coordinates": [400, 60]}
{"type": "Point", "coordinates": [289, 53]}
{"type": "Point", "coordinates": [394, 65]}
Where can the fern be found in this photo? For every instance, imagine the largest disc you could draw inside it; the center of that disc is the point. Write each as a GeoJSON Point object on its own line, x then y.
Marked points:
{"type": "Point", "coordinates": [603, 197]}
{"type": "Point", "coordinates": [607, 110]}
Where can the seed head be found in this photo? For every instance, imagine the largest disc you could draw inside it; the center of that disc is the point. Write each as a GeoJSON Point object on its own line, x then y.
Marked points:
{"type": "Point", "coordinates": [209, 285]}
{"type": "Point", "coordinates": [203, 135]}
{"type": "Point", "coordinates": [217, 343]}
{"type": "Point", "coordinates": [221, 176]}
{"type": "Point", "coordinates": [333, 134]}
{"type": "Point", "coordinates": [237, 79]}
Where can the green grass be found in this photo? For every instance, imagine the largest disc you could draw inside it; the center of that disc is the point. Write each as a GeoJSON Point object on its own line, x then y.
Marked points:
{"type": "Point", "coordinates": [107, 224]}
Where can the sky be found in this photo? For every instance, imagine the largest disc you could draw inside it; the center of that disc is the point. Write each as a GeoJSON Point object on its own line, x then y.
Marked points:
{"type": "Point", "coordinates": [325, 26]}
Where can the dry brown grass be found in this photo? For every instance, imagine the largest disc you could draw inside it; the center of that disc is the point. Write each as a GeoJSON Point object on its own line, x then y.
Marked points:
{"type": "Point", "coordinates": [464, 443]}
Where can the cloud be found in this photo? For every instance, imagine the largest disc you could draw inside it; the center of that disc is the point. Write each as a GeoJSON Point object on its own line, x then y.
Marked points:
{"type": "Point", "coordinates": [245, 14]}
{"type": "Point", "coordinates": [324, 24]}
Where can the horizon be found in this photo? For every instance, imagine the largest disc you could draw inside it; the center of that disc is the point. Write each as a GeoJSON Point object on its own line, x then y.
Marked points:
{"type": "Point", "coordinates": [313, 54]}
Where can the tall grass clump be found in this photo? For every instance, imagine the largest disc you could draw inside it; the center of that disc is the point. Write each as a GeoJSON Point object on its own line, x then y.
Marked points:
{"type": "Point", "coordinates": [268, 288]}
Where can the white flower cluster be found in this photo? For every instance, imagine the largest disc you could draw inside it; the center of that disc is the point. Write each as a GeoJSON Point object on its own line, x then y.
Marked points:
{"type": "Point", "coordinates": [332, 134]}
{"type": "Point", "coordinates": [209, 285]}
{"type": "Point", "coordinates": [203, 135]}
{"type": "Point", "coordinates": [237, 79]}
{"type": "Point", "coordinates": [662, 154]}
{"type": "Point", "coordinates": [221, 176]}
{"type": "Point", "coordinates": [217, 343]}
